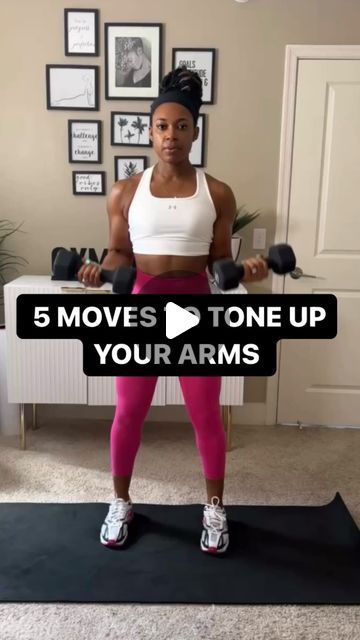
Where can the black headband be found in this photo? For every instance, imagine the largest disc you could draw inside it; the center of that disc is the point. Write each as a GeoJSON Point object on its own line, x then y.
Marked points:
{"type": "Point", "coordinates": [181, 98]}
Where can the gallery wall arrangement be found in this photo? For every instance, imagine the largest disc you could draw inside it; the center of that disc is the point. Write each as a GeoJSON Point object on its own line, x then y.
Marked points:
{"type": "Point", "coordinates": [132, 70]}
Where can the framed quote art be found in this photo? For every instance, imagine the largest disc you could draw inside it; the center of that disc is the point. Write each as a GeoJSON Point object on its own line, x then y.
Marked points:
{"type": "Point", "coordinates": [84, 140]}
{"type": "Point", "coordinates": [81, 32]}
{"type": "Point", "coordinates": [203, 62]}
{"type": "Point", "coordinates": [91, 183]}
{"type": "Point", "coordinates": [128, 166]}
{"type": "Point", "coordinates": [133, 60]}
{"type": "Point", "coordinates": [72, 87]}
{"type": "Point", "coordinates": [130, 129]}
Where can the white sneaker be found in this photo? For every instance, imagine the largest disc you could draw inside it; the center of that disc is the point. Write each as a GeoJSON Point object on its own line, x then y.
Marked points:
{"type": "Point", "coordinates": [114, 530]}
{"type": "Point", "coordinates": [215, 534]}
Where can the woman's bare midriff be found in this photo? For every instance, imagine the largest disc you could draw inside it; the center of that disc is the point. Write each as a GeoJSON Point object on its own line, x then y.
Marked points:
{"type": "Point", "coordinates": [170, 266]}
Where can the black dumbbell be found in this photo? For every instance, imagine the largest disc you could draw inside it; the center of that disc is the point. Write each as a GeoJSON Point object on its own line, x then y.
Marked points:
{"type": "Point", "coordinates": [227, 274]}
{"type": "Point", "coordinates": [67, 264]}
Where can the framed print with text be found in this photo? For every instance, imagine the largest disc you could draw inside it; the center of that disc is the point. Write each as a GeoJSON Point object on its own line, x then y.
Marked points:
{"type": "Point", "coordinates": [90, 183]}
{"type": "Point", "coordinates": [84, 138]}
{"type": "Point", "coordinates": [203, 62]}
{"type": "Point", "coordinates": [81, 28]}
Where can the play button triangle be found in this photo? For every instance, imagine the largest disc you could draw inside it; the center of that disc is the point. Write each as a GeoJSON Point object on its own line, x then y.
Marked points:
{"type": "Point", "coordinates": [178, 320]}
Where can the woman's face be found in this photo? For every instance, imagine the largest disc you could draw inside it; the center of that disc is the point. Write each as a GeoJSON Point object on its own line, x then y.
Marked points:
{"type": "Point", "coordinates": [134, 58]}
{"type": "Point", "coordinates": [173, 132]}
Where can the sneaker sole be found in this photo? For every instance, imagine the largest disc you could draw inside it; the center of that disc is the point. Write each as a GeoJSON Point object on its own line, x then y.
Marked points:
{"type": "Point", "coordinates": [213, 550]}
{"type": "Point", "coordinates": [112, 543]}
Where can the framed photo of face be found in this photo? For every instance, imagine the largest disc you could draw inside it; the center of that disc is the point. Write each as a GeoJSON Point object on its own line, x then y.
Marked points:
{"type": "Point", "coordinates": [90, 183]}
{"type": "Point", "coordinates": [84, 138]}
{"type": "Point", "coordinates": [130, 129]}
{"type": "Point", "coordinates": [128, 166]}
{"type": "Point", "coordinates": [72, 87]}
{"type": "Point", "coordinates": [197, 153]}
{"type": "Point", "coordinates": [81, 32]}
{"type": "Point", "coordinates": [133, 60]}
{"type": "Point", "coordinates": [203, 62]}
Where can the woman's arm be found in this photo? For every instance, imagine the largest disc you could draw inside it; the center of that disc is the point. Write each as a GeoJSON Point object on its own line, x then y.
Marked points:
{"type": "Point", "coordinates": [225, 205]}
{"type": "Point", "coordinates": [120, 251]}
{"type": "Point", "coordinates": [255, 269]}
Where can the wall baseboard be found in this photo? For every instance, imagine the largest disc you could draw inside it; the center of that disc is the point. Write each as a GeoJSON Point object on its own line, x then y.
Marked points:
{"type": "Point", "coordinates": [249, 413]}
{"type": "Point", "coordinates": [252, 413]}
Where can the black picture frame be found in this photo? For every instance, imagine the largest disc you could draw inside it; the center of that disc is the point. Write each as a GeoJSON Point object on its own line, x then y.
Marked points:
{"type": "Point", "coordinates": [134, 121]}
{"type": "Point", "coordinates": [86, 146]}
{"type": "Point", "coordinates": [197, 153]}
{"type": "Point", "coordinates": [88, 189]}
{"type": "Point", "coordinates": [121, 176]}
{"type": "Point", "coordinates": [72, 87]}
{"type": "Point", "coordinates": [203, 61]}
{"type": "Point", "coordinates": [123, 39]}
{"type": "Point", "coordinates": [81, 32]}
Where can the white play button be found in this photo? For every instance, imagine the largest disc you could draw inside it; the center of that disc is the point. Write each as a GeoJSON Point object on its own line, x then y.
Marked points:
{"type": "Point", "coordinates": [178, 320]}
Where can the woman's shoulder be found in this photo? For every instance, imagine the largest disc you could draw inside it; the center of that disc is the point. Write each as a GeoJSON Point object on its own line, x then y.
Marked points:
{"type": "Point", "coordinates": [127, 185]}
{"type": "Point", "coordinates": [122, 194]}
{"type": "Point", "coordinates": [218, 188]}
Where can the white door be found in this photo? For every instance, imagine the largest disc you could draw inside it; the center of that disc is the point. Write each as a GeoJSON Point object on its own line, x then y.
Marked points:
{"type": "Point", "coordinates": [319, 380]}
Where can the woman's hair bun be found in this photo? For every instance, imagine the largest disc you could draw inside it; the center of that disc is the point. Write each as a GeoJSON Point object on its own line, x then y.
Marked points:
{"type": "Point", "coordinates": [183, 79]}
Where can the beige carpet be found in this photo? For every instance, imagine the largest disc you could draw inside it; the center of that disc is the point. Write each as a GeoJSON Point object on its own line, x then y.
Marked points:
{"type": "Point", "coordinates": [278, 465]}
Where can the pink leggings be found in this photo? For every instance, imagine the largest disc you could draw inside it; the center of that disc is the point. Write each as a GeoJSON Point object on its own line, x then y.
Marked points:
{"type": "Point", "coordinates": [201, 395]}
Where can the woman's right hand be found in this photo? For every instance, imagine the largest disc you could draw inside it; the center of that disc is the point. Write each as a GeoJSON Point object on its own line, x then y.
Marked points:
{"type": "Point", "coordinates": [89, 274]}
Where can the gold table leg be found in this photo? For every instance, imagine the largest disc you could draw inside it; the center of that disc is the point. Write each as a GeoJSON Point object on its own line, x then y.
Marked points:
{"type": "Point", "coordinates": [22, 427]}
{"type": "Point", "coordinates": [226, 416]}
{"type": "Point", "coordinates": [34, 418]}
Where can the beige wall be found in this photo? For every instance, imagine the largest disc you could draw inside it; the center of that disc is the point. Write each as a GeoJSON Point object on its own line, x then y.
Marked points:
{"type": "Point", "coordinates": [244, 124]}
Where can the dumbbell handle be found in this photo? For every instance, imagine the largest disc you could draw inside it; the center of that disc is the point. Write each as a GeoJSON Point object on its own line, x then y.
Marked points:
{"type": "Point", "coordinates": [122, 278]}
{"type": "Point", "coordinates": [106, 275]}
{"type": "Point", "coordinates": [227, 274]}
{"type": "Point", "coordinates": [241, 269]}
{"type": "Point", "coordinates": [67, 264]}
{"type": "Point", "coordinates": [238, 271]}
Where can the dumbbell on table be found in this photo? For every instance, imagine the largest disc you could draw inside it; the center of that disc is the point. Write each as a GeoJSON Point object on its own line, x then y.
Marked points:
{"type": "Point", "coordinates": [67, 264]}
{"type": "Point", "coordinates": [227, 274]}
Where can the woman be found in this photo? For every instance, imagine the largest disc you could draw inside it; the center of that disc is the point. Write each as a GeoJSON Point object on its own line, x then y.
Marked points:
{"type": "Point", "coordinates": [174, 221]}
{"type": "Point", "coordinates": [139, 65]}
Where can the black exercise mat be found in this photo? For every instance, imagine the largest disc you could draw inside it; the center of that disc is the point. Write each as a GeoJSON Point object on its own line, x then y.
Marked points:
{"type": "Point", "coordinates": [277, 555]}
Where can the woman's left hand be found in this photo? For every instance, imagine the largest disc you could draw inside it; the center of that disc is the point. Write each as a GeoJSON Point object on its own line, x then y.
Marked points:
{"type": "Point", "coordinates": [255, 269]}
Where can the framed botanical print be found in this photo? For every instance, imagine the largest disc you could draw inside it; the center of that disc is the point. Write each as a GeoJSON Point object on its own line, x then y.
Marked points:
{"type": "Point", "coordinates": [84, 140]}
{"type": "Point", "coordinates": [203, 62]}
{"type": "Point", "coordinates": [130, 129]}
{"type": "Point", "coordinates": [128, 166]}
{"type": "Point", "coordinates": [133, 60]}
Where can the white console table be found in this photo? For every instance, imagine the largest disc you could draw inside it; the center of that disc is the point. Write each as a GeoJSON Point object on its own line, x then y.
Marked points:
{"type": "Point", "coordinates": [51, 372]}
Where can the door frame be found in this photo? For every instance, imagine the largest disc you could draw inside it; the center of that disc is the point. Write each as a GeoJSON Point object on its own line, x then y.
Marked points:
{"type": "Point", "coordinates": [293, 54]}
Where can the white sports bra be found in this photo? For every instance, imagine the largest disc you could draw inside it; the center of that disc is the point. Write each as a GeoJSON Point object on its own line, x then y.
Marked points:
{"type": "Point", "coordinates": [171, 226]}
